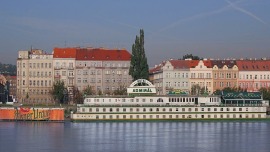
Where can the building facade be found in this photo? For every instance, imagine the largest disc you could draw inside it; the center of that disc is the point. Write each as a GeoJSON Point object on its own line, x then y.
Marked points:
{"type": "Point", "coordinates": [253, 74]}
{"type": "Point", "coordinates": [201, 74]}
{"type": "Point", "coordinates": [104, 70]}
{"type": "Point", "coordinates": [225, 74]}
{"type": "Point", "coordinates": [34, 76]}
{"type": "Point", "coordinates": [171, 76]}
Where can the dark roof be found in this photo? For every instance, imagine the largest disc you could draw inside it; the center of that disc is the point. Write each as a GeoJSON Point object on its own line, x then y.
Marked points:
{"type": "Point", "coordinates": [222, 63]}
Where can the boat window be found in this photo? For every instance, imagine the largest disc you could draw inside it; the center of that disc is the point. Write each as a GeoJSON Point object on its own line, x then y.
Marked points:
{"type": "Point", "coordinates": [157, 109]}
{"type": "Point", "coordinates": [160, 100]}
{"type": "Point", "coordinates": [183, 109]}
{"type": "Point", "coordinates": [143, 100]}
{"type": "Point", "coordinates": [170, 109]}
{"type": "Point", "coordinates": [151, 100]}
{"type": "Point", "coordinates": [137, 100]}
{"type": "Point", "coordinates": [164, 109]}
{"type": "Point", "coordinates": [124, 109]}
{"type": "Point", "coordinates": [240, 109]}
{"type": "Point", "coordinates": [97, 117]}
{"type": "Point", "coordinates": [209, 109]}
{"type": "Point", "coordinates": [144, 109]}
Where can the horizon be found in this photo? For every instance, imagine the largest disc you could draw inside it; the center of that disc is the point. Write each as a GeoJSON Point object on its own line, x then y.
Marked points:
{"type": "Point", "coordinates": [208, 29]}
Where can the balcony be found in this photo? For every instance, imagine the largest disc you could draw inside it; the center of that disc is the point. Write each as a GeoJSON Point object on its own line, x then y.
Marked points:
{"type": "Point", "coordinates": [57, 68]}
{"type": "Point", "coordinates": [71, 76]}
{"type": "Point", "coordinates": [71, 68]}
{"type": "Point", "coordinates": [57, 76]}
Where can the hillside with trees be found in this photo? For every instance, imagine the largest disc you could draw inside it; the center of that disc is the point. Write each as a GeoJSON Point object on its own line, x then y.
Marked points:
{"type": "Point", "coordinates": [7, 69]}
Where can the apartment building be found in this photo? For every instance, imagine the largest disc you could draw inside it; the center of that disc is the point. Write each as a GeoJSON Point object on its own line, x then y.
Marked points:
{"type": "Point", "coordinates": [170, 76]}
{"type": "Point", "coordinates": [64, 67]}
{"type": "Point", "coordinates": [34, 76]}
{"type": "Point", "coordinates": [103, 69]}
{"type": "Point", "coordinates": [201, 74]}
{"type": "Point", "coordinates": [253, 74]}
{"type": "Point", "coordinates": [225, 74]}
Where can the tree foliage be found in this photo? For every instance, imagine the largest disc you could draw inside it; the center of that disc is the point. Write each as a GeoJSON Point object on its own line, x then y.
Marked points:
{"type": "Point", "coordinates": [190, 56]}
{"type": "Point", "coordinates": [8, 69]}
{"type": "Point", "coordinates": [139, 68]}
{"type": "Point", "coordinates": [198, 90]}
{"type": "Point", "coordinates": [265, 92]}
{"type": "Point", "coordinates": [77, 96]}
{"type": "Point", "coordinates": [59, 92]}
{"type": "Point", "coordinates": [120, 91]}
{"type": "Point", "coordinates": [88, 91]}
{"type": "Point", "coordinates": [229, 89]}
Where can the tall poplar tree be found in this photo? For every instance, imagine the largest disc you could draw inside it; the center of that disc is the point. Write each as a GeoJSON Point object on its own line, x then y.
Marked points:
{"type": "Point", "coordinates": [139, 68]}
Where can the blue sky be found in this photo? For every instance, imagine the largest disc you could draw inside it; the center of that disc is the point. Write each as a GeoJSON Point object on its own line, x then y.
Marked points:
{"type": "Point", "coordinates": [206, 28]}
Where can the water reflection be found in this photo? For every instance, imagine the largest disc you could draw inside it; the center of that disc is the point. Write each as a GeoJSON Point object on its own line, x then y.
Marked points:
{"type": "Point", "coordinates": [135, 136]}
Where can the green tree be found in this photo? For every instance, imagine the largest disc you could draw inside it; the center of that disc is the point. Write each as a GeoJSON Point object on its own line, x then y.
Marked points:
{"type": "Point", "coordinates": [265, 92]}
{"type": "Point", "coordinates": [217, 92]}
{"type": "Point", "coordinates": [139, 68]}
{"type": "Point", "coordinates": [77, 96]}
{"type": "Point", "coordinates": [190, 56]}
{"type": "Point", "coordinates": [195, 89]}
{"type": "Point", "coordinates": [120, 91]}
{"type": "Point", "coordinates": [88, 91]}
{"type": "Point", "coordinates": [59, 92]}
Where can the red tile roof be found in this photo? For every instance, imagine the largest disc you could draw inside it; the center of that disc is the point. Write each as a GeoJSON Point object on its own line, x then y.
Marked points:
{"type": "Point", "coordinates": [193, 63]}
{"type": "Point", "coordinates": [92, 54]}
{"type": "Point", "coordinates": [64, 52]}
{"type": "Point", "coordinates": [207, 63]}
{"type": "Point", "coordinates": [253, 65]}
{"type": "Point", "coordinates": [180, 64]}
{"type": "Point", "coordinates": [103, 54]}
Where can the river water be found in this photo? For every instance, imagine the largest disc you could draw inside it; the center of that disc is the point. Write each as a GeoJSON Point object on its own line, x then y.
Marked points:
{"type": "Point", "coordinates": [190, 136]}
